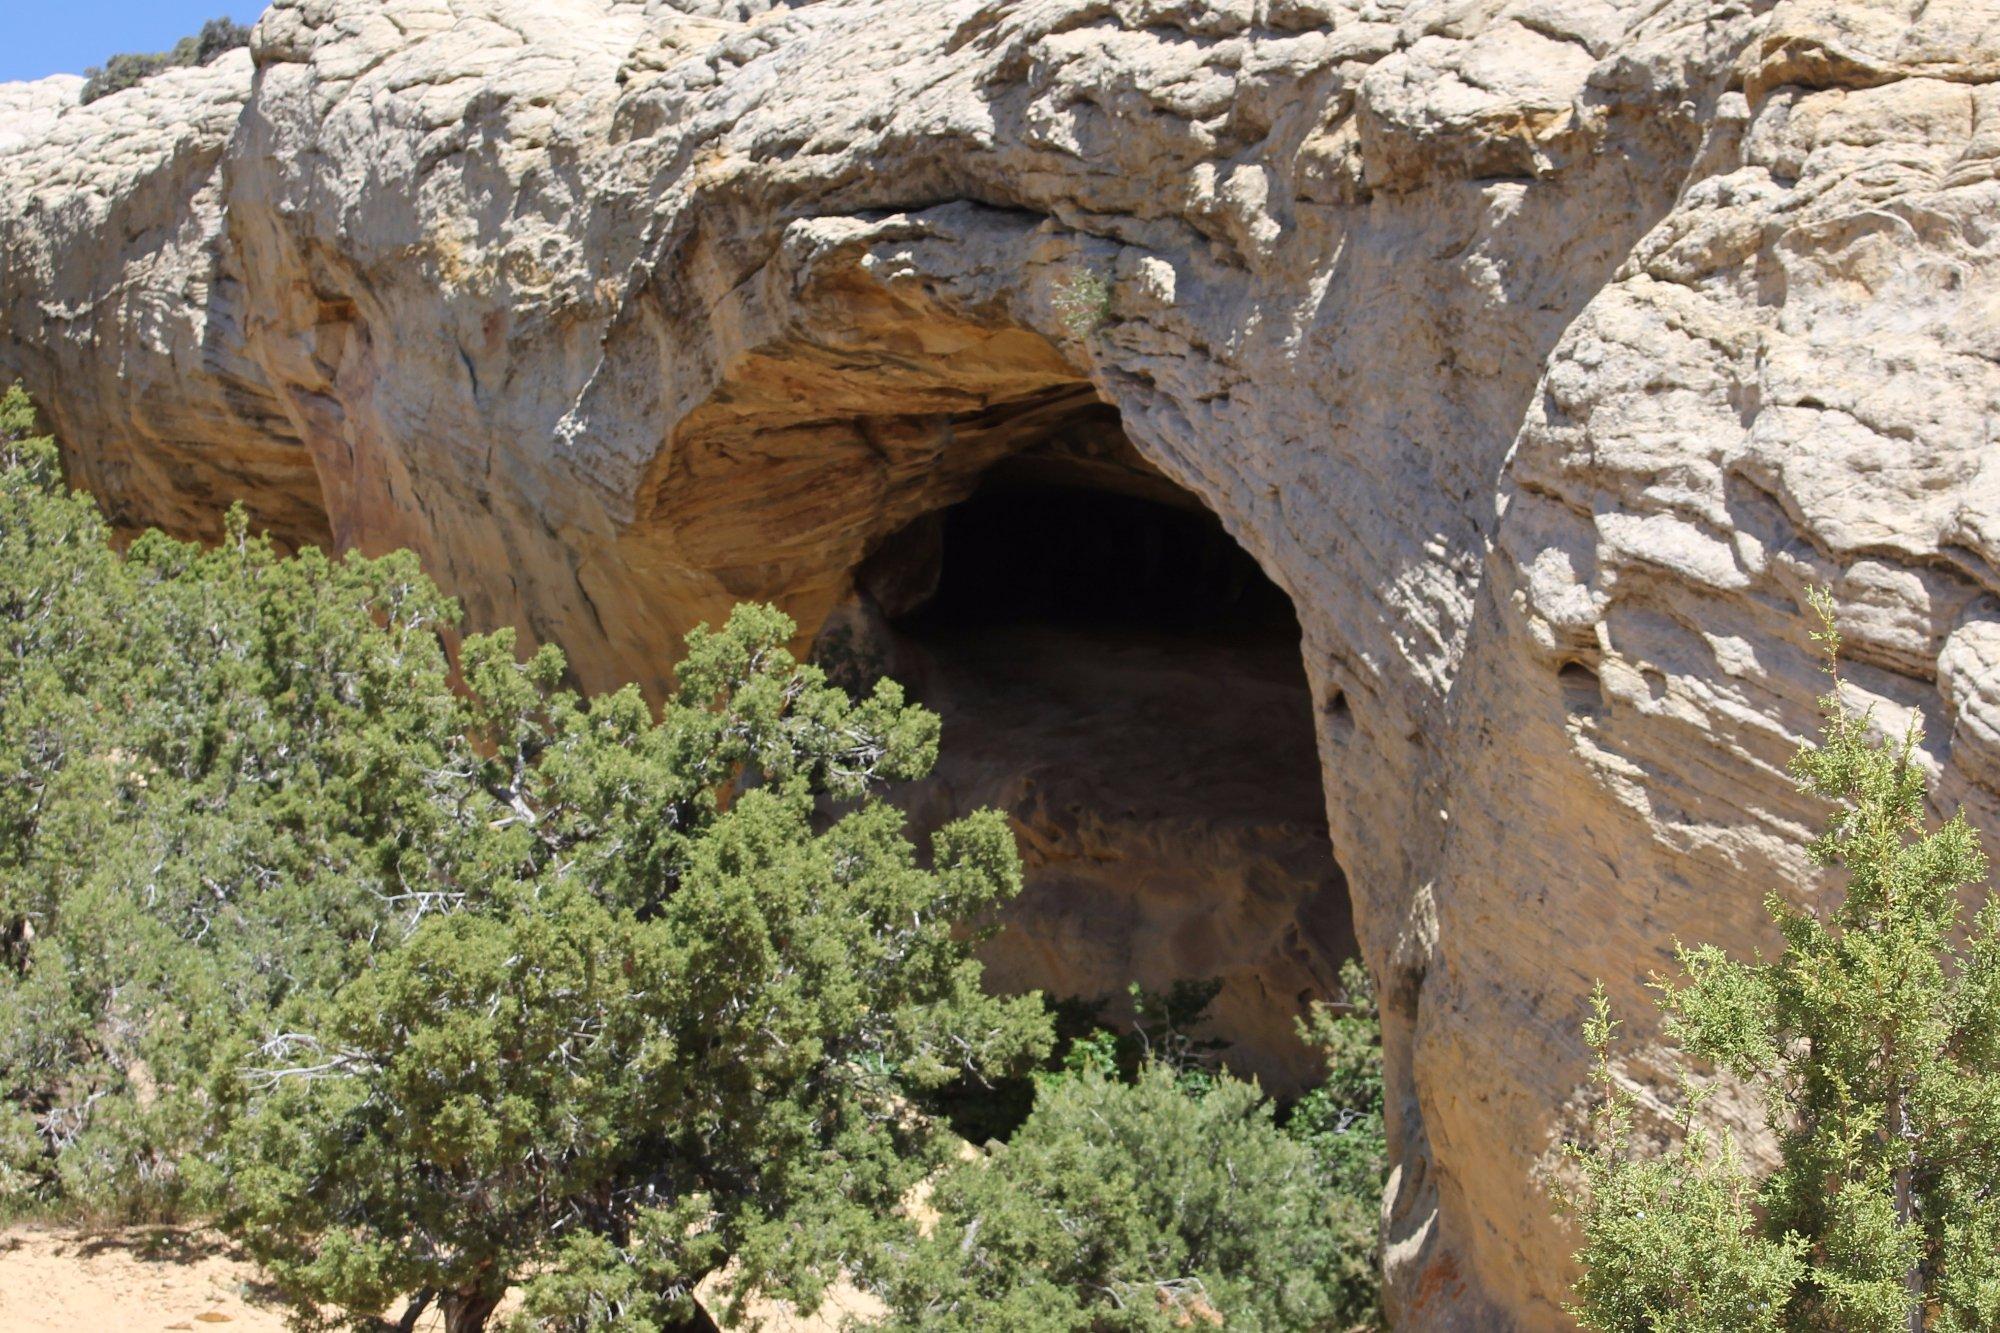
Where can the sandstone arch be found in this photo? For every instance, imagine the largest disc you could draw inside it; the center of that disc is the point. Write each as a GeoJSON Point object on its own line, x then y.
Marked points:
{"type": "Point", "coordinates": [868, 388]}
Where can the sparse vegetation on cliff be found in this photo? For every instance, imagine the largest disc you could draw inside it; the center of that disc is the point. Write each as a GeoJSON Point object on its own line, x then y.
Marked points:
{"type": "Point", "coordinates": [1875, 1039]}
{"type": "Point", "coordinates": [130, 69]}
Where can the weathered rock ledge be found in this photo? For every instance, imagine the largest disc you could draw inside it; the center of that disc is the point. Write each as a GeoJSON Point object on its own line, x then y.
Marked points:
{"type": "Point", "coordinates": [1543, 352]}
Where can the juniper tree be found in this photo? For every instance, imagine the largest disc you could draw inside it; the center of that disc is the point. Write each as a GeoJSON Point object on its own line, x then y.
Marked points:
{"type": "Point", "coordinates": [223, 768]}
{"type": "Point", "coordinates": [686, 1029]}
{"type": "Point", "coordinates": [1149, 1190]}
{"type": "Point", "coordinates": [428, 988]}
{"type": "Point", "coordinates": [669, 1012]}
{"type": "Point", "coordinates": [1875, 1041]}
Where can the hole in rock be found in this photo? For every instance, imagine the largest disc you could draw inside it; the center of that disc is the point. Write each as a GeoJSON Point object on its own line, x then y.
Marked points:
{"type": "Point", "coordinates": [1121, 677]}
{"type": "Point", "coordinates": [1582, 695]}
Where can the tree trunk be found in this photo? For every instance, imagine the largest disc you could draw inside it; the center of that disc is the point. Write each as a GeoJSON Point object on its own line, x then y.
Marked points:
{"type": "Point", "coordinates": [468, 1311]}
{"type": "Point", "coordinates": [1913, 1276]}
{"type": "Point", "coordinates": [698, 1322]}
{"type": "Point", "coordinates": [414, 1310]}
{"type": "Point", "coordinates": [15, 938]}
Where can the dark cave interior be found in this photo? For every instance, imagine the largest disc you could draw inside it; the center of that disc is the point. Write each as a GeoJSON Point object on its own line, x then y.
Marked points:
{"type": "Point", "coordinates": [1122, 678]}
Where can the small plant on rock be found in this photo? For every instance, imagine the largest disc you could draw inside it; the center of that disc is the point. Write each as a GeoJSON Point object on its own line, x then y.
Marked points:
{"type": "Point", "coordinates": [1083, 302]}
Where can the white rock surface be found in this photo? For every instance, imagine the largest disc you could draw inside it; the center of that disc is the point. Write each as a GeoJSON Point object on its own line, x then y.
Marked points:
{"type": "Point", "coordinates": [28, 109]}
{"type": "Point", "coordinates": [1543, 350]}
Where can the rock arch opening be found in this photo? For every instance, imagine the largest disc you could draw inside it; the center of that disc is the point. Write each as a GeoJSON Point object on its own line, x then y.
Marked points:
{"type": "Point", "coordinates": [1122, 678]}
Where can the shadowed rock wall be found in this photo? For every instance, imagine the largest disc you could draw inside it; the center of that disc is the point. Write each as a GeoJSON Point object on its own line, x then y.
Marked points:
{"type": "Point", "coordinates": [1542, 351]}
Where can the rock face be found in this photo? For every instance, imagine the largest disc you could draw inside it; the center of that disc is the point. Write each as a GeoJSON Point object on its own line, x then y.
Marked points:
{"type": "Point", "coordinates": [1542, 351]}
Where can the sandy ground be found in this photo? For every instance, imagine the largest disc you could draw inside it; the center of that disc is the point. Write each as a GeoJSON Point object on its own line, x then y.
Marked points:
{"type": "Point", "coordinates": [69, 1280]}
{"type": "Point", "coordinates": [59, 1280]}
{"type": "Point", "coordinates": [136, 1280]}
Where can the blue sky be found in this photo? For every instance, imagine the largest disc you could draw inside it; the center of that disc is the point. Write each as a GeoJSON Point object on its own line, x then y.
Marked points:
{"type": "Point", "coordinates": [63, 36]}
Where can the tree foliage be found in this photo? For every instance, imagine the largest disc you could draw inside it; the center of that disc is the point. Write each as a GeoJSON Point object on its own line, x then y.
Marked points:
{"type": "Point", "coordinates": [1341, 1122]}
{"type": "Point", "coordinates": [430, 988]}
{"type": "Point", "coordinates": [1148, 1190]}
{"type": "Point", "coordinates": [1875, 1039]}
{"type": "Point", "coordinates": [128, 69]}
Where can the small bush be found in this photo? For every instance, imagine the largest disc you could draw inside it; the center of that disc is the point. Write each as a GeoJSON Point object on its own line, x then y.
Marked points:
{"type": "Point", "coordinates": [131, 69]}
{"type": "Point", "coordinates": [1149, 1190]}
{"type": "Point", "coordinates": [1083, 302]}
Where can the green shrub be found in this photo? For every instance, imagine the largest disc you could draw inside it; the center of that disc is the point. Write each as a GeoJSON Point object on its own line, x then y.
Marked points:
{"type": "Point", "coordinates": [1149, 1190]}
{"type": "Point", "coordinates": [1875, 1039]}
{"type": "Point", "coordinates": [127, 70]}
{"type": "Point", "coordinates": [430, 989]}
{"type": "Point", "coordinates": [1341, 1122]}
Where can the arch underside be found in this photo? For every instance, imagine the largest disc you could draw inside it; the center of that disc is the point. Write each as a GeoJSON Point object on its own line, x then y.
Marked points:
{"type": "Point", "coordinates": [1112, 670]}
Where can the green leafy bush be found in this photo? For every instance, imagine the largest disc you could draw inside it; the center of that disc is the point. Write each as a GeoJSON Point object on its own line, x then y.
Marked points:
{"type": "Point", "coordinates": [1149, 1190]}
{"type": "Point", "coordinates": [127, 70]}
{"type": "Point", "coordinates": [432, 989]}
{"type": "Point", "coordinates": [1875, 1039]}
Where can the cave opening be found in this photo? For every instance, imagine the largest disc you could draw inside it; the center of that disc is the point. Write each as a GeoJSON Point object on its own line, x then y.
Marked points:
{"type": "Point", "coordinates": [1117, 673]}
{"type": "Point", "coordinates": [1025, 553]}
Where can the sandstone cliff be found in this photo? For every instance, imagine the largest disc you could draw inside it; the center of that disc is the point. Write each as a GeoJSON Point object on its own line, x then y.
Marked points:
{"type": "Point", "coordinates": [1542, 351]}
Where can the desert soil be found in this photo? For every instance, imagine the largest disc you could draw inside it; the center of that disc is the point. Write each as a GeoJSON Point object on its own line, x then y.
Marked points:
{"type": "Point", "coordinates": [64, 1280]}
{"type": "Point", "coordinates": [141, 1280]}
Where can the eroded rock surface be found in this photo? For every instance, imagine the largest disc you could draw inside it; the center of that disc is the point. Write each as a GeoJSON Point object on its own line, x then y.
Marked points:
{"type": "Point", "coordinates": [1543, 351]}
